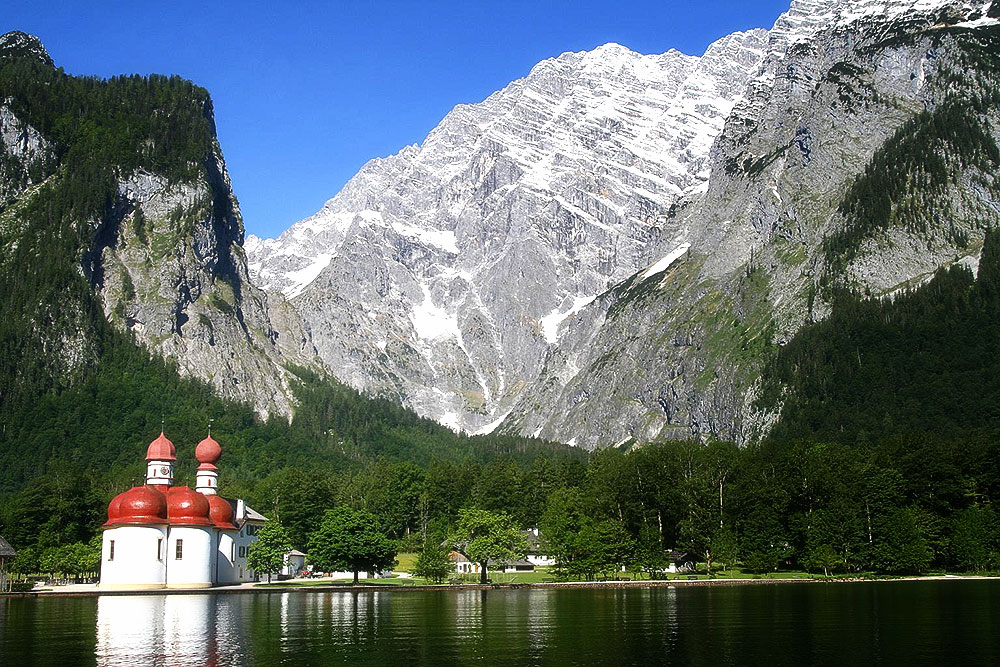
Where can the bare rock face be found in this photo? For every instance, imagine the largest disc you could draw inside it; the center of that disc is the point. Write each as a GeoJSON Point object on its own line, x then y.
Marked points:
{"type": "Point", "coordinates": [24, 154]}
{"type": "Point", "coordinates": [440, 276]}
{"type": "Point", "coordinates": [609, 248]}
{"type": "Point", "coordinates": [676, 351]}
{"type": "Point", "coordinates": [172, 270]}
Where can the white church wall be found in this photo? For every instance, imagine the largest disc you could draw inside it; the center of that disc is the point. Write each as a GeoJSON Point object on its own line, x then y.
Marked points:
{"type": "Point", "coordinates": [194, 568]}
{"type": "Point", "coordinates": [139, 557]}
{"type": "Point", "coordinates": [227, 571]}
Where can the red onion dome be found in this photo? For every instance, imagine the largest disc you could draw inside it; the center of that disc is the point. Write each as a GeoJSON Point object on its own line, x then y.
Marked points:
{"type": "Point", "coordinates": [114, 509]}
{"type": "Point", "coordinates": [221, 513]}
{"type": "Point", "coordinates": [187, 507]}
{"type": "Point", "coordinates": [140, 505]}
{"type": "Point", "coordinates": [207, 452]}
{"type": "Point", "coordinates": [161, 449]}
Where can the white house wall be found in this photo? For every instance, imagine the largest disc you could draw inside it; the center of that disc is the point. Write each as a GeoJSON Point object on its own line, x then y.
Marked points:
{"type": "Point", "coordinates": [246, 537]}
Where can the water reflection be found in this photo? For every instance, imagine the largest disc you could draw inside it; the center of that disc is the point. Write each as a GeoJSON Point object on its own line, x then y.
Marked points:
{"type": "Point", "coordinates": [157, 629]}
{"type": "Point", "coordinates": [916, 623]}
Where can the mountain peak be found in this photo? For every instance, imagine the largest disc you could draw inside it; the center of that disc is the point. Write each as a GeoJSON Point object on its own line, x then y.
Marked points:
{"type": "Point", "coordinates": [17, 44]}
{"type": "Point", "coordinates": [806, 17]}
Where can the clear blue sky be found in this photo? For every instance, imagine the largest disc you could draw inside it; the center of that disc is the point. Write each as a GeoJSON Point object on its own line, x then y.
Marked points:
{"type": "Point", "coordinates": [307, 92]}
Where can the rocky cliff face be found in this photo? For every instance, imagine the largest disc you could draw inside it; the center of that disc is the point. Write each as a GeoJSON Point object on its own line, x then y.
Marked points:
{"type": "Point", "coordinates": [862, 155]}
{"type": "Point", "coordinates": [157, 239]}
{"type": "Point", "coordinates": [173, 271]}
{"type": "Point", "coordinates": [441, 276]}
{"type": "Point", "coordinates": [607, 249]}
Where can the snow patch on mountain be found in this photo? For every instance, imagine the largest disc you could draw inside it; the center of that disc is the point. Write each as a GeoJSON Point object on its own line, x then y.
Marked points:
{"type": "Point", "coordinates": [665, 263]}
{"type": "Point", "coordinates": [550, 323]}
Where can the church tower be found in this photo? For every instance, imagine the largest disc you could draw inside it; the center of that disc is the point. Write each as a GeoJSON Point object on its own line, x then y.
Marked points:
{"type": "Point", "coordinates": [207, 452]}
{"type": "Point", "coordinates": [160, 457]}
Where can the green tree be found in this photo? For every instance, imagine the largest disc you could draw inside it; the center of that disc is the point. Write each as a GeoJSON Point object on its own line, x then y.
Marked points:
{"type": "Point", "coordinates": [348, 539]}
{"type": "Point", "coordinates": [433, 563]}
{"type": "Point", "coordinates": [976, 539]}
{"type": "Point", "coordinates": [601, 547]}
{"type": "Point", "coordinates": [267, 554]}
{"type": "Point", "coordinates": [25, 562]}
{"type": "Point", "coordinates": [822, 557]}
{"type": "Point", "coordinates": [763, 542]}
{"type": "Point", "coordinates": [482, 536]}
{"type": "Point", "coordinates": [900, 546]}
{"type": "Point", "coordinates": [561, 523]}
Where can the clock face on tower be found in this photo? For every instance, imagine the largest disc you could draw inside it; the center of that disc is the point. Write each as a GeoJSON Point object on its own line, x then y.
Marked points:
{"type": "Point", "coordinates": [164, 470]}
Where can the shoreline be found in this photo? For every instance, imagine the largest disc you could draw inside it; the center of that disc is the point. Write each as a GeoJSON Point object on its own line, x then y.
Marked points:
{"type": "Point", "coordinates": [555, 585]}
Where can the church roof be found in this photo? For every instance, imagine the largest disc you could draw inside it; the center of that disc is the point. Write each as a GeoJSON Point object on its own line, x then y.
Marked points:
{"type": "Point", "coordinates": [5, 549]}
{"type": "Point", "coordinates": [254, 515]}
{"type": "Point", "coordinates": [161, 449]}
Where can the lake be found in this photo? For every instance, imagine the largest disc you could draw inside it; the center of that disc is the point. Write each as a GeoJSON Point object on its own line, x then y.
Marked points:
{"type": "Point", "coordinates": [912, 623]}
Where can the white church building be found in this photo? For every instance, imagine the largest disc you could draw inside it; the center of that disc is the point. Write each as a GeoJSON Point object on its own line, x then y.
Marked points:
{"type": "Point", "coordinates": [163, 536]}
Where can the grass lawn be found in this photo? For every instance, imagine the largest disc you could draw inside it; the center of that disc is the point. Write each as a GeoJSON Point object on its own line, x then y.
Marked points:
{"type": "Point", "coordinates": [406, 562]}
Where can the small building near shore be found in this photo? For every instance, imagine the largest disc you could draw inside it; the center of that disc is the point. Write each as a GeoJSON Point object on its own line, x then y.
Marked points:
{"type": "Point", "coordinates": [294, 564]}
{"type": "Point", "coordinates": [537, 555]}
{"type": "Point", "coordinates": [464, 566]}
{"type": "Point", "coordinates": [163, 536]}
{"type": "Point", "coordinates": [7, 554]}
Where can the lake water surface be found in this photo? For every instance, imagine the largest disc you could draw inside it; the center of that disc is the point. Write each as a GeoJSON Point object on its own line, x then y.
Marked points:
{"type": "Point", "coordinates": [912, 623]}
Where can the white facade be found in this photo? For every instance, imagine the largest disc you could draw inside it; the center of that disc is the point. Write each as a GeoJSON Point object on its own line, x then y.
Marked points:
{"type": "Point", "coordinates": [540, 560]}
{"type": "Point", "coordinates": [132, 557]}
{"type": "Point", "coordinates": [190, 557]}
{"type": "Point", "coordinates": [295, 562]}
{"type": "Point", "coordinates": [226, 571]}
{"type": "Point", "coordinates": [208, 482]}
{"type": "Point", "coordinates": [160, 472]}
{"type": "Point", "coordinates": [147, 557]}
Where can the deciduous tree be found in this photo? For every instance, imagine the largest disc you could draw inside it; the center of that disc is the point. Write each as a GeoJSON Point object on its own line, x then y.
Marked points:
{"type": "Point", "coordinates": [267, 553]}
{"type": "Point", "coordinates": [482, 536]}
{"type": "Point", "coordinates": [349, 539]}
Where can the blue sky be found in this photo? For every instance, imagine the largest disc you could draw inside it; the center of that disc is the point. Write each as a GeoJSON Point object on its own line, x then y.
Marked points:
{"type": "Point", "coordinates": [307, 92]}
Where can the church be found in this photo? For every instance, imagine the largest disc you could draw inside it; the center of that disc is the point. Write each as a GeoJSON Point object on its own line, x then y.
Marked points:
{"type": "Point", "coordinates": [163, 536]}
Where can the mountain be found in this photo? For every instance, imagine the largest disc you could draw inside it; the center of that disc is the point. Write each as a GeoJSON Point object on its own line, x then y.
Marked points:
{"type": "Point", "coordinates": [440, 276]}
{"type": "Point", "coordinates": [612, 247]}
{"type": "Point", "coordinates": [126, 309]}
{"type": "Point", "coordinates": [116, 207]}
{"type": "Point", "coordinates": [861, 158]}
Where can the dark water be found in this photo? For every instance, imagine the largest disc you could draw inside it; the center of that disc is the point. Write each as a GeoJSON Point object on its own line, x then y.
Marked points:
{"type": "Point", "coordinates": [909, 623]}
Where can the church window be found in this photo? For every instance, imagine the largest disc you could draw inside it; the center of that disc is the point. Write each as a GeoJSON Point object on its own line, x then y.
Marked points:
{"type": "Point", "coordinates": [179, 550]}
{"type": "Point", "coordinates": [111, 550]}
{"type": "Point", "coordinates": [159, 549]}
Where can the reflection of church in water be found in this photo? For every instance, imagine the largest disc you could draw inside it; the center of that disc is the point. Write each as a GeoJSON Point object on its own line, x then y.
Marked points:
{"type": "Point", "coordinates": [164, 536]}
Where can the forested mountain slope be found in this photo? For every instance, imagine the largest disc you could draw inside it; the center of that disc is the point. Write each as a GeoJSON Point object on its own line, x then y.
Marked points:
{"type": "Point", "coordinates": [125, 306]}
{"type": "Point", "coordinates": [116, 209]}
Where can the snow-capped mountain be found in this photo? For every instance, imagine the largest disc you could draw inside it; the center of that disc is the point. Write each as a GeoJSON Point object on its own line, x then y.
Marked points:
{"type": "Point", "coordinates": [845, 163]}
{"type": "Point", "coordinates": [609, 247]}
{"type": "Point", "coordinates": [441, 275]}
